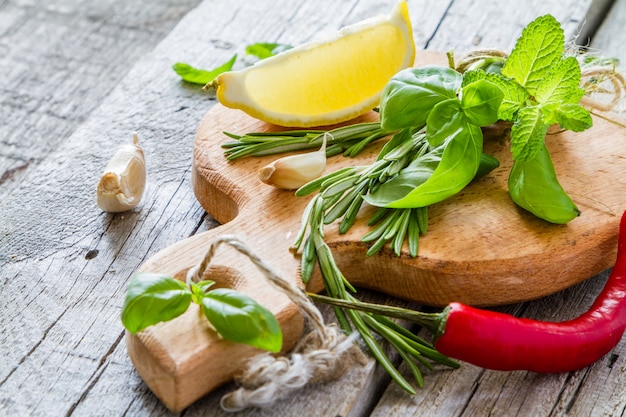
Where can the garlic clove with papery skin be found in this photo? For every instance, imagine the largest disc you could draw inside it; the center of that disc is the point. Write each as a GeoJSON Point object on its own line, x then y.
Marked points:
{"type": "Point", "coordinates": [124, 179]}
{"type": "Point", "coordinates": [292, 172]}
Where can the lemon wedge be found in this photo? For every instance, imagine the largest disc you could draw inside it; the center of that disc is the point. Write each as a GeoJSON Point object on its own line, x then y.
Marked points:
{"type": "Point", "coordinates": [326, 81]}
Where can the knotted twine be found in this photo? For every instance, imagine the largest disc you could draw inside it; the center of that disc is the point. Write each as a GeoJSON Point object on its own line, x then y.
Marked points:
{"type": "Point", "coordinates": [322, 354]}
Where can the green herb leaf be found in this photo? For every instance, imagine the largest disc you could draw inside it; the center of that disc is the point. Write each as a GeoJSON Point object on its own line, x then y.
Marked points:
{"type": "Point", "coordinates": [569, 116]}
{"type": "Point", "coordinates": [533, 186]}
{"type": "Point", "coordinates": [480, 101]}
{"type": "Point", "coordinates": [443, 120]}
{"type": "Point", "coordinates": [199, 289]}
{"type": "Point", "coordinates": [239, 318]}
{"type": "Point", "coordinates": [514, 95]}
{"type": "Point", "coordinates": [200, 76]}
{"type": "Point", "coordinates": [400, 186]}
{"type": "Point", "coordinates": [458, 166]}
{"type": "Point", "coordinates": [487, 164]}
{"type": "Point", "coordinates": [536, 51]}
{"type": "Point", "coordinates": [409, 96]}
{"type": "Point", "coordinates": [528, 133]}
{"type": "Point", "coordinates": [153, 298]}
{"type": "Point", "coordinates": [264, 50]}
{"type": "Point", "coordinates": [561, 84]}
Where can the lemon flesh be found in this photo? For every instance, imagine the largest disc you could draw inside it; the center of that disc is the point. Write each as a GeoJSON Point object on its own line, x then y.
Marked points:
{"type": "Point", "coordinates": [327, 81]}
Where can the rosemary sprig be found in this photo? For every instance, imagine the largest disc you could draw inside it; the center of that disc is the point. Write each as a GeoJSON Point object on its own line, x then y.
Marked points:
{"type": "Point", "coordinates": [410, 347]}
{"type": "Point", "coordinates": [342, 194]}
{"type": "Point", "coordinates": [349, 140]}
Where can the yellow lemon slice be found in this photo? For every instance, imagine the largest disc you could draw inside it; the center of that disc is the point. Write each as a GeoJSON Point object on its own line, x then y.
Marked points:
{"type": "Point", "coordinates": [325, 81]}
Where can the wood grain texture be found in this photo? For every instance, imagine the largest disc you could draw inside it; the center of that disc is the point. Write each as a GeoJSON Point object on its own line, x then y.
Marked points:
{"type": "Point", "coordinates": [607, 40]}
{"type": "Point", "coordinates": [64, 266]}
{"type": "Point", "coordinates": [59, 60]}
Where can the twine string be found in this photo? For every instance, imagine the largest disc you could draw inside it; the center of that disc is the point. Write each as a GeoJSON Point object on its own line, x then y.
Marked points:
{"type": "Point", "coordinates": [615, 97]}
{"type": "Point", "coordinates": [322, 354]}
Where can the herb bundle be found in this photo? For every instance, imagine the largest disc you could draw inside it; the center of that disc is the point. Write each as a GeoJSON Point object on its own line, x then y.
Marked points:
{"type": "Point", "coordinates": [434, 116]}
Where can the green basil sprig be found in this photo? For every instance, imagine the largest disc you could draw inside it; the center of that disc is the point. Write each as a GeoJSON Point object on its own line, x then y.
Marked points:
{"type": "Point", "coordinates": [411, 94]}
{"type": "Point", "coordinates": [453, 119]}
{"type": "Point", "coordinates": [262, 50]}
{"type": "Point", "coordinates": [155, 298]}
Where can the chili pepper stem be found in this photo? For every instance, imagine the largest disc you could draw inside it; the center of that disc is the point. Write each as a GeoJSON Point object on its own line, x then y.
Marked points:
{"type": "Point", "coordinates": [433, 322]}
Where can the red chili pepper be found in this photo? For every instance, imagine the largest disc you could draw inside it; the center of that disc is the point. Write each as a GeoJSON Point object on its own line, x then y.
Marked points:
{"type": "Point", "coordinates": [499, 341]}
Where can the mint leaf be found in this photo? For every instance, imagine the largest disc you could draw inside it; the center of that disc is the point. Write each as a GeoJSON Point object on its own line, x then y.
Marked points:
{"type": "Point", "coordinates": [561, 84]}
{"type": "Point", "coordinates": [153, 298]}
{"type": "Point", "coordinates": [480, 102]}
{"type": "Point", "coordinates": [200, 76]}
{"type": "Point", "coordinates": [536, 51]}
{"type": "Point", "coordinates": [264, 50]}
{"type": "Point", "coordinates": [528, 133]}
{"type": "Point", "coordinates": [569, 116]}
{"type": "Point", "coordinates": [238, 318]}
{"type": "Point", "coordinates": [514, 95]}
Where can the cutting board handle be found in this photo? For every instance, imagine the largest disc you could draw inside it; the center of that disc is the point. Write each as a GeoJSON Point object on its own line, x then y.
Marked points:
{"type": "Point", "coordinates": [183, 359]}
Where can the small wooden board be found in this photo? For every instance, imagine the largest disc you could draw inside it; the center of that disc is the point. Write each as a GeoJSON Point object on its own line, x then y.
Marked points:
{"type": "Point", "coordinates": [480, 248]}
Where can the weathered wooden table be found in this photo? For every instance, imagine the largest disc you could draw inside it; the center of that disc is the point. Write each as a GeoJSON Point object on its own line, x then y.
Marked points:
{"type": "Point", "coordinates": [77, 77]}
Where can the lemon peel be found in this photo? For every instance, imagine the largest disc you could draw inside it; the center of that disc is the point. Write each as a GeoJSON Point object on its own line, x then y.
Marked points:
{"type": "Point", "coordinates": [326, 81]}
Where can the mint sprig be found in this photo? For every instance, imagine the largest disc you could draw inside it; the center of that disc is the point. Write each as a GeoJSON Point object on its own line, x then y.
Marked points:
{"type": "Point", "coordinates": [551, 83]}
{"type": "Point", "coordinates": [536, 51]}
{"type": "Point", "coordinates": [200, 76]}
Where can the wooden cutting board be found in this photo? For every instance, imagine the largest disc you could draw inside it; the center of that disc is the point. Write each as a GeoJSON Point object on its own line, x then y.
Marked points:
{"type": "Point", "coordinates": [480, 248]}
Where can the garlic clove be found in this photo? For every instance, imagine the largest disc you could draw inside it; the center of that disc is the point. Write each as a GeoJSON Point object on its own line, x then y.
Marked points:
{"type": "Point", "coordinates": [292, 172]}
{"type": "Point", "coordinates": [123, 181]}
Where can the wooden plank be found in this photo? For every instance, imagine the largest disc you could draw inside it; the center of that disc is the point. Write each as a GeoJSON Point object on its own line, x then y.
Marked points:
{"type": "Point", "coordinates": [469, 24]}
{"type": "Point", "coordinates": [65, 285]}
{"type": "Point", "coordinates": [608, 40]}
{"type": "Point", "coordinates": [472, 391]}
{"type": "Point", "coordinates": [65, 266]}
{"type": "Point", "coordinates": [59, 60]}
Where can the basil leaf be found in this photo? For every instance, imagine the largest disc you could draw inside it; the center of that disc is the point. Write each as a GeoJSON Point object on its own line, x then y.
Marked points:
{"type": "Point", "coordinates": [406, 181]}
{"type": "Point", "coordinates": [263, 50]}
{"type": "Point", "coordinates": [153, 298]}
{"type": "Point", "coordinates": [458, 166]}
{"type": "Point", "coordinates": [514, 95]}
{"type": "Point", "coordinates": [528, 133]}
{"type": "Point", "coordinates": [409, 96]}
{"type": "Point", "coordinates": [533, 186]}
{"type": "Point", "coordinates": [536, 51]}
{"type": "Point", "coordinates": [480, 101]}
{"type": "Point", "coordinates": [442, 121]}
{"type": "Point", "coordinates": [200, 76]}
{"type": "Point", "coordinates": [239, 318]}
{"type": "Point", "coordinates": [199, 289]}
{"type": "Point", "coordinates": [487, 164]}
